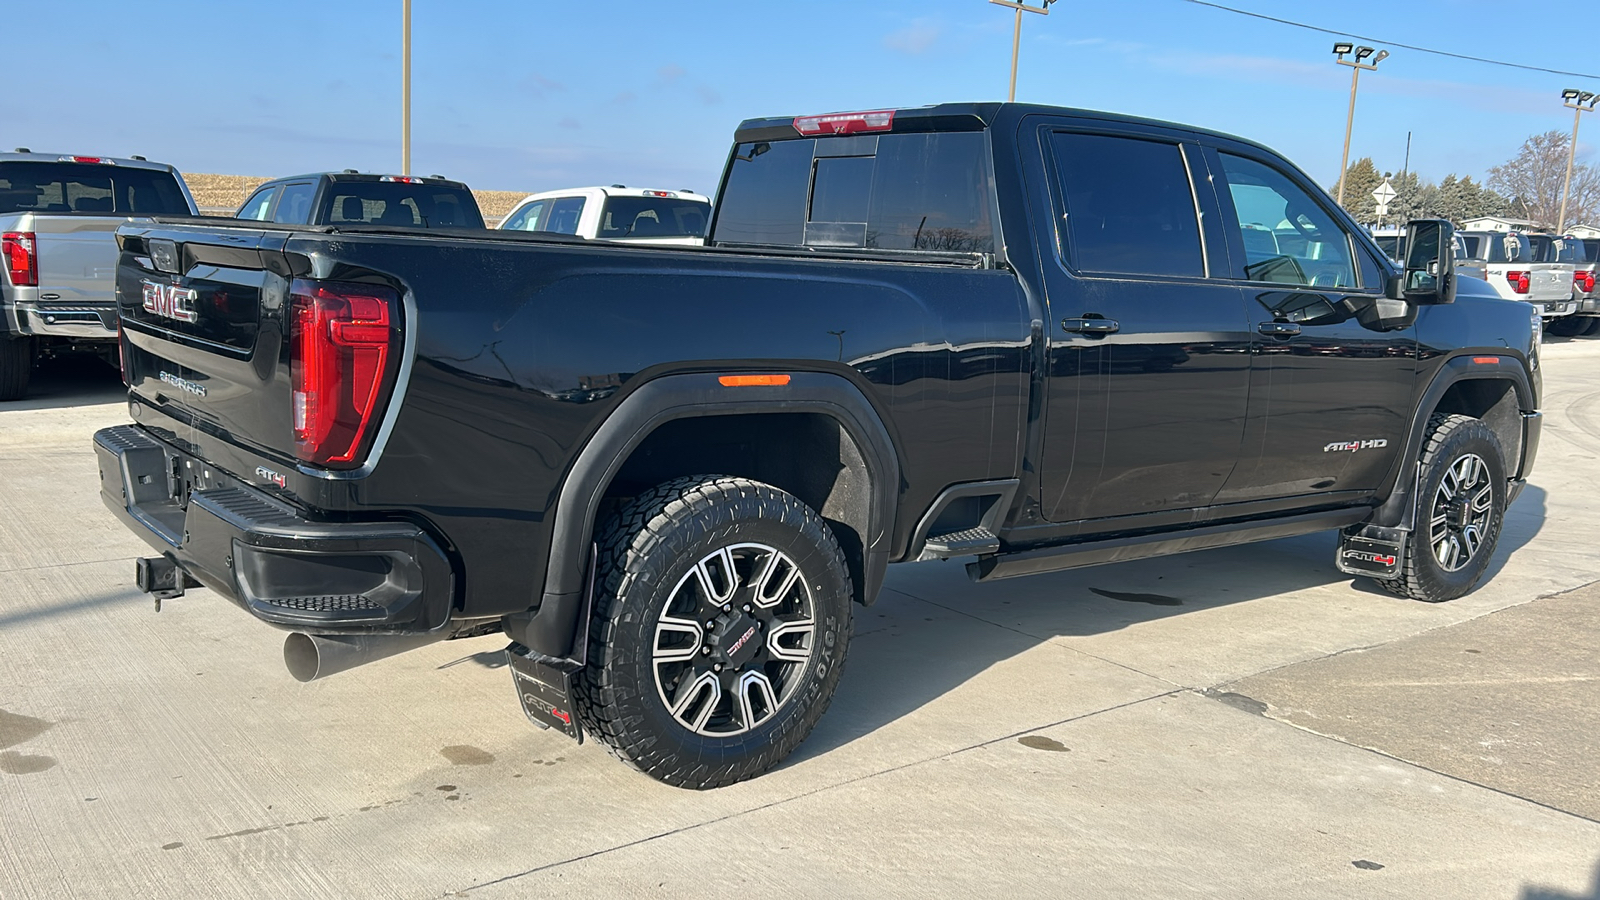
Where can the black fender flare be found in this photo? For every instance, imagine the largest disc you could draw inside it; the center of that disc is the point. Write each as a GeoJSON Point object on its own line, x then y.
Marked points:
{"type": "Point", "coordinates": [553, 628]}
{"type": "Point", "coordinates": [1395, 511]}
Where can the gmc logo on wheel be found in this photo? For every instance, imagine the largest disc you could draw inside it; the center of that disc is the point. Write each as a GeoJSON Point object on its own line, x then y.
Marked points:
{"type": "Point", "coordinates": [170, 301]}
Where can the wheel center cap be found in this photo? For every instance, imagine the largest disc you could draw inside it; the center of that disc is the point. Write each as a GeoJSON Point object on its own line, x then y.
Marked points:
{"type": "Point", "coordinates": [738, 641]}
{"type": "Point", "coordinates": [1459, 513]}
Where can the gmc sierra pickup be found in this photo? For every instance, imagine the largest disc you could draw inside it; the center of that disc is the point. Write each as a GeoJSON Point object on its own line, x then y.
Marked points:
{"type": "Point", "coordinates": [1038, 337]}
{"type": "Point", "coordinates": [58, 220]}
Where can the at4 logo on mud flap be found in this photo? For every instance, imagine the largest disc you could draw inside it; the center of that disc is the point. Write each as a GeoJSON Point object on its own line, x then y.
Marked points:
{"type": "Point", "coordinates": [1353, 446]}
{"type": "Point", "coordinates": [548, 707]}
{"type": "Point", "coordinates": [170, 301]}
{"type": "Point", "coordinates": [1367, 556]}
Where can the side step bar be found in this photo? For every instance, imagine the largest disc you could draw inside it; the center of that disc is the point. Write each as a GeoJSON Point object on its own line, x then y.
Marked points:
{"type": "Point", "coordinates": [1075, 556]}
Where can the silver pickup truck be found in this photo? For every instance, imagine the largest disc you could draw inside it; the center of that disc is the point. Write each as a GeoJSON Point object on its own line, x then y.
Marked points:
{"type": "Point", "coordinates": [58, 221]}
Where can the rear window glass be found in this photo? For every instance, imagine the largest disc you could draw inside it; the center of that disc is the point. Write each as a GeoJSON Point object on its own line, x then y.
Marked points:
{"type": "Point", "coordinates": [1547, 248]}
{"type": "Point", "coordinates": [651, 217]}
{"type": "Point", "coordinates": [1591, 249]}
{"type": "Point", "coordinates": [1509, 247]}
{"type": "Point", "coordinates": [406, 205]}
{"type": "Point", "coordinates": [89, 189]}
{"type": "Point", "coordinates": [890, 192]}
{"type": "Point", "coordinates": [1473, 245]}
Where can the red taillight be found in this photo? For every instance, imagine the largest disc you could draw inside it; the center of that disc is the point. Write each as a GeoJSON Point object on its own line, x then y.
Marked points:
{"type": "Point", "coordinates": [1518, 281]}
{"type": "Point", "coordinates": [1584, 281]}
{"type": "Point", "coordinates": [340, 345]}
{"type": "Point", "coordinates": [22, 259]}
{"type": "Point", "coordinates": [402, 179]}
{"type": "Point", "coordinates": [846, 123]}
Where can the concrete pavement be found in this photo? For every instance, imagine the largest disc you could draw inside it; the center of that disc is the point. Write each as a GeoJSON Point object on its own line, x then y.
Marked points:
{"type": "Point", "coordinates": [1242, 722]}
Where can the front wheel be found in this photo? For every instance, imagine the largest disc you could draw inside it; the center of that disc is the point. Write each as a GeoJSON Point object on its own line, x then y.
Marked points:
{"type": "Point", "coordinates": [720, 627]}
{"type": "Point", "coordinates": [1460, 508]}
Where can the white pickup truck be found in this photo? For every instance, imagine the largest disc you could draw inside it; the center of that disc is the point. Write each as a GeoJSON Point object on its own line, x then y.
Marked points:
{"type": "Point", "coordinates": [58, 220]}
{"type": "Point", "coordinates": [1521, 266]}
{"type": "Point", "coordinates": [615, 213]}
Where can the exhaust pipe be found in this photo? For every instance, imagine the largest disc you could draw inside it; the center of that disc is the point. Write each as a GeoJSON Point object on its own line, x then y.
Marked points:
{"type": "Point", "coordinates": [313, 656]}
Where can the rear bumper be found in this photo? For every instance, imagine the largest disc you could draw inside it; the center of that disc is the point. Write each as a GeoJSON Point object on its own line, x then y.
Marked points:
{"type": "Point", "coordinates": [267, 556]}
{"type": "Point", "coordinates": [1589, 304]}
{"type": "Point", "coordinates": [1557, 308]}
{"type": "Point", "coordinates": [79, 321]}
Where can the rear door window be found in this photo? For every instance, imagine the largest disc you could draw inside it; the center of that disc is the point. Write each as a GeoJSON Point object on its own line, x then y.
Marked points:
{"type": "Point", "coordinates": [259, 206]}
{"type": "Point", "coordinates": [89, 189]}
{"type": "Point", "coordinates": [1288, 237]}
{"type": "Point", "coordinates": [294, 206]}
{"type": "Point", "coordinates": [1130, 206]}
{"type": "Point", "coordinates": [926, 191]}
{"type": "Point", "coordinates": [564, 215]}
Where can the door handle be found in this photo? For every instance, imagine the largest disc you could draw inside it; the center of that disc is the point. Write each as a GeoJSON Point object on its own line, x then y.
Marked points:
{"type": "Point", "coordinates": [1090, 326]}
{"type": "Point", "coordinates": [1279, 329]}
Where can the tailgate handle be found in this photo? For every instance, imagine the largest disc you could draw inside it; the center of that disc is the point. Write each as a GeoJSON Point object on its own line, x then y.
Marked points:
{"type": "Point", "coordinates": [1090, 325]}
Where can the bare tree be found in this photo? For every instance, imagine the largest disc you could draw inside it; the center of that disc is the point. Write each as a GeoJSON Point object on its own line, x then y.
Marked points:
{"type": "Point", "coordinates": [1533, 180]}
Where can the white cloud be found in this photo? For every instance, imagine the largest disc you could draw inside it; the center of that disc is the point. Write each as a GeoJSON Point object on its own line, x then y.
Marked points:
{"type": "Point", "coordinates": [916, 38]}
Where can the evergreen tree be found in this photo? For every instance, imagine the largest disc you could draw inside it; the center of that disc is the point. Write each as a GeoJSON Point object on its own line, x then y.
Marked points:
{"type": "Point", "coordinates": [1362, 178]}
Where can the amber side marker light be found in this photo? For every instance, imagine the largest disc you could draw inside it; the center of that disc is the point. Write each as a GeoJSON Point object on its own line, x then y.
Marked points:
{"type": "Point", "coordinates": [753, 380]}
{"type": "Point", "coordinates": [1486, 360]}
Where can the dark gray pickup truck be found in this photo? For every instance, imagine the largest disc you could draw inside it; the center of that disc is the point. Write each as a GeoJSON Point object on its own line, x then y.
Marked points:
{"type": "Point", "coordinates": [1036, 338]}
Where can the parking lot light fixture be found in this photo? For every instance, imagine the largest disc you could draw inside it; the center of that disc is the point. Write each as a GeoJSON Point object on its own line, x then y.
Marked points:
{"type": "Point", "coordinates": [1579, 102]}
{"type": "Point", "coordinates": [1341, 50]}
{"type": "Point", "coordinates": [1042, 9]}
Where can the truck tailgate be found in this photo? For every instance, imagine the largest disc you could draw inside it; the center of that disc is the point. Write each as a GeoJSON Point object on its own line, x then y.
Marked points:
{"type": "Point", "coordinates": [77, 259]}
{"type": "Point", "coordinates": [202, 317]}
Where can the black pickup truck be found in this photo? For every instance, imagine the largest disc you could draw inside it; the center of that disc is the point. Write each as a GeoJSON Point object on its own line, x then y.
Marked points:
{"type": "Point", "coordinates": [1042, 338]}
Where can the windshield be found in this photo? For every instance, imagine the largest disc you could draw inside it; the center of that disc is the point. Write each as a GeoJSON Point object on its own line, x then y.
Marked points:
{"type": "Point", "coordinates": [89, 189]}
{"type": "Point", "coordinates": [653, 217]}
{"type": "Point", "coordinates": [398, 204]}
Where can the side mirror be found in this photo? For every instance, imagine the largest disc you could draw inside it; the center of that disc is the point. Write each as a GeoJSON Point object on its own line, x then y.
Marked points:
{"type": "Point", "coordinates": [1430, 270]}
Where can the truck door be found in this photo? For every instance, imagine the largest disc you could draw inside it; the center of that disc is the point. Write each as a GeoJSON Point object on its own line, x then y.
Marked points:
{"type": "Point", "coordinates": [1330, 387]}
{"type": "Point", "coordinates": [1149, 360]}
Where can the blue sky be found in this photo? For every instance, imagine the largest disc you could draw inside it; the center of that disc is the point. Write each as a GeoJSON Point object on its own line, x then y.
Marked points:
{"type": "Point", "coordinates": [533, 95]}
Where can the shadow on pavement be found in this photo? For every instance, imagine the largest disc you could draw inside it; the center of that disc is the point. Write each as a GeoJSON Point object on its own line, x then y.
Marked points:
{"type": "Point", "coordinates": [74, 379]}
{"type": "Point", "coordinates": [932, 630]}
{"type": "Point", "coordinates": [1534, 892]}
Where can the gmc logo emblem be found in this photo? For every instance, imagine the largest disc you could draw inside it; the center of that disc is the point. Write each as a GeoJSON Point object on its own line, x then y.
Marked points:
{"type": "Point", "coordinates": [170, 301]}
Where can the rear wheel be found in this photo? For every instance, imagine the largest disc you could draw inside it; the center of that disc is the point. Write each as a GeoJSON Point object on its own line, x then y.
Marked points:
{"type": "Point", "coordinates": [719, 633]}
{"type": "Point", "coordinates": [1592, 328]}
{"type": "Point", "coordinates": [16, 365]}
{"type": "Point", "coordinates": [1461, 505]}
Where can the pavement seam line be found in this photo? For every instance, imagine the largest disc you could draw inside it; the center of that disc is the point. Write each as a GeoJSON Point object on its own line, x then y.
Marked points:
{"type": "Point", "coordinates": [504, 879]}
{"type": "Point", "coordinates": [1040, 638]}
{"type": "Point", "coordinates": [1401, 760]}
{"type": "Point", "coordinates": [85, 562]}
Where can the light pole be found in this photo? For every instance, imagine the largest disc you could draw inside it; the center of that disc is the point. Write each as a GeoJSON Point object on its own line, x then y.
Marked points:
{"type": "Point", "coordinates": [1582, 102]}
{"type": "Point", "coordinates": [1361, 53]}
{"type": "Point", "coordinates": [1016, 34]}
{"type": "Point", "coordinates": [405, 87]}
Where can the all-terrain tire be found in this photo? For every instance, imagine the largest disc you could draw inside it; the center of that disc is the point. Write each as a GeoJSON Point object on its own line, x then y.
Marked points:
{"type": "Point", "coordinates": [1433, 569]}
{"type": "Point", "coordinates": [663, 550]}
{"type": "Point", "coordinates": [16, 365]}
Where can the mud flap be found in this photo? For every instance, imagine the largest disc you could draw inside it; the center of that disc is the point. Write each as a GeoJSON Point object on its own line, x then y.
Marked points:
{"type": "Point", "coordinates": [1371, 551]}
{"type": "Point", "coordinates": [544, 687]}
